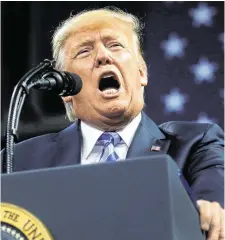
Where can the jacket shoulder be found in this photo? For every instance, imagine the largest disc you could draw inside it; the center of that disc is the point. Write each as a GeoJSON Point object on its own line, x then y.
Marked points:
{"type": "Point", "coordinates": [176, 128]}
{"type": "Point", "coordinates": [36, 152]}
{"type": "Point", "coordinates": [42, 139]}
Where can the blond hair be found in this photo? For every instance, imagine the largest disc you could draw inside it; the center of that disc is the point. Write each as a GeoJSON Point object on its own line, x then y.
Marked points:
{"type": "Point", "coordinates": [70, 25]}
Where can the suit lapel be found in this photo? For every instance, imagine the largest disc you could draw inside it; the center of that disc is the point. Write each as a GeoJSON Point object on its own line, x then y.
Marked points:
{"type": "Point", "coordinates": [148, 138]}
{"type": "Point", "coordinates": [69, 142]}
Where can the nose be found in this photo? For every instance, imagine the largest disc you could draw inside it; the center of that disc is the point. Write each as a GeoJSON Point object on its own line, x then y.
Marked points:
{"type": "Point", "coordinates": [103, 57]}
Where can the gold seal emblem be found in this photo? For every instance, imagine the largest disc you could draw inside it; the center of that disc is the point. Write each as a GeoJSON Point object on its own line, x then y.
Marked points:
{"type": "Point", "coordinates": [19, 224]}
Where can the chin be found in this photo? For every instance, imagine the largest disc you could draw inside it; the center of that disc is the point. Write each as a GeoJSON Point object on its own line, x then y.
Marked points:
{"type": "Point", "coordinates": [114, 119]}
{"type": "Point", "coordinates": [115, 110]}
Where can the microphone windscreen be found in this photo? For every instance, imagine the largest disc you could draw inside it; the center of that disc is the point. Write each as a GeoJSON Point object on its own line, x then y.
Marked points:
{"type": "Point", "coordinates": [78, 82]}
{"type": "Point", "coordinates": [75, 84]}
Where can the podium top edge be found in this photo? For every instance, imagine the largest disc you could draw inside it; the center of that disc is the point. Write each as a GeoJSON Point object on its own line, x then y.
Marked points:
{"type": "Point", "coordinates": [150, 157]}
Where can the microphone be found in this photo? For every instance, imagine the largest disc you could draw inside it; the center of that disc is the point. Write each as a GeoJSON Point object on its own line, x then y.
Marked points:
{"type": "Point", "coordinates": [61, 83]}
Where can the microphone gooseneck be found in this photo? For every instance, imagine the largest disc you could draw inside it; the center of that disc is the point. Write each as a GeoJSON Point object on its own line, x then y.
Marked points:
{"type": "Point", "coordinates": [42, 77]}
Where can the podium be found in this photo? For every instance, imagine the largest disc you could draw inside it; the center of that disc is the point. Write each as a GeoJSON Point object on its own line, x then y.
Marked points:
{"type": "Point", "coordinates": [136, 199]}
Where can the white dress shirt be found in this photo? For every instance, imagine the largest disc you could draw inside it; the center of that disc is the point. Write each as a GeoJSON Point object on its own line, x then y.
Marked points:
{"type": "Point", "coordinates": [90, 136]}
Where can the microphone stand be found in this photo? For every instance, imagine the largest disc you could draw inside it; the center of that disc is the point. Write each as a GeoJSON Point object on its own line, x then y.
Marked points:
{"type": "Point", "coordinates": [20, 92]}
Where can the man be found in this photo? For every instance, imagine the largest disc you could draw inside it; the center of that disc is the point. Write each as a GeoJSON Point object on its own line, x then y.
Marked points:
{"type": "Point", "coordinates": [103, 48]}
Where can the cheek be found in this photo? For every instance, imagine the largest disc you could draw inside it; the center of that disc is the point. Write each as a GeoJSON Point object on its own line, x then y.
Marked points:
{"type": "Point", "coordinates": [84, 71]}
{"type": "Point", "coordinates": [130, 62]}
{"type": "Point", "coordinates": [79, 66]}
{"type": "Point", "coordinates": [125, 58]}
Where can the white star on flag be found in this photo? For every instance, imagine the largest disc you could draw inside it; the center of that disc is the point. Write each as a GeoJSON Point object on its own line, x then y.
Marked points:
{"type": "Point", "coordinates": [203, 118]}
{"type": "Point", "coordinates": [174, 101]}
{"type": "Point", "coordinates": [174, 46]}
{"type": "Point", "coordinates": [204, 70]}
{"type": "Point", "coordinates": [202, 15]}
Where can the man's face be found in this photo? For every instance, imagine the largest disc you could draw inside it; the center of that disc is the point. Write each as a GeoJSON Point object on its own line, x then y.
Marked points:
{"type": "Point", "coordinates": [106, 60]}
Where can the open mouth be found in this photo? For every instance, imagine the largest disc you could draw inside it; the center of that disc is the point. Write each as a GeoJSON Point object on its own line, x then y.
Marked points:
{"type": "Point", "coordinates": [109, 84]}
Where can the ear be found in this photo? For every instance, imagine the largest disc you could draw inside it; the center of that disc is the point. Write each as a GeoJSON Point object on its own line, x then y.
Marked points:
{"type": "Point", "coordinates": [143, 75]}
{"type": "Point", "coordinates": [67, 99]}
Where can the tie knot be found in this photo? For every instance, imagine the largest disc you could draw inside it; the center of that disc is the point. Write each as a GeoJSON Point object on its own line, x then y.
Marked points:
{"type": "Point", "coordinates": [109, 137]}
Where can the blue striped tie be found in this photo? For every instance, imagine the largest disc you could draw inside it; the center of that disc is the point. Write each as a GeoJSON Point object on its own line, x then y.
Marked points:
{"type": "Point", "coordinates": [108, 140]}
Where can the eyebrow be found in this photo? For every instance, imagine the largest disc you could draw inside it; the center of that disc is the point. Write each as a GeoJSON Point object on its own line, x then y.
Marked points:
{"type": "Point", "coordinates": [88, 42]}
{"type": "Point", "coordinates": [84, 43]}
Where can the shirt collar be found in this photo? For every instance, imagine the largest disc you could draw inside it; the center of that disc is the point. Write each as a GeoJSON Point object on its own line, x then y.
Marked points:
{"type": "Point", "coordinates": [128, 132]}
{"type": "Point", "coordinates": [90, 135]}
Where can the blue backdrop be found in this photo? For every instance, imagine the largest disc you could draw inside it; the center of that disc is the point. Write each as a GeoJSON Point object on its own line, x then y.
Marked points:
{"type": "Point", "coordinates": [183, 45]}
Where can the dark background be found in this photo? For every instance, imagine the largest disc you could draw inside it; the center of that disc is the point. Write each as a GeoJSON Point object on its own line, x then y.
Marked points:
{"type": "Point", "coordinates": [27, 28]}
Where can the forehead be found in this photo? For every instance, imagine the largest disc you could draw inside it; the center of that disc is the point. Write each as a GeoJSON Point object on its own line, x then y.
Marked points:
{"type": "Point", "coordinates": [95, 21]}
{"type": "Point", "coordinates": [106, 27]}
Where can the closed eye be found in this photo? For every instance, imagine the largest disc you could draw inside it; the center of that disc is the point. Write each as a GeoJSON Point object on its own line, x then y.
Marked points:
{"type": "Point", "coordinates": [83, 52]}
{"type": "Point", "coordinates": [113, 45]}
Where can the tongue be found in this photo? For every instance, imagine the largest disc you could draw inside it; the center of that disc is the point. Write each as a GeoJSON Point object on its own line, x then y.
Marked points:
{"type": "Point", "coordinates": [110, 91]}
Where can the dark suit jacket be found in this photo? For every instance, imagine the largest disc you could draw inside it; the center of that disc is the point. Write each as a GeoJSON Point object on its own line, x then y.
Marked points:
{"type": "Point", "coordinates": [196, 148]}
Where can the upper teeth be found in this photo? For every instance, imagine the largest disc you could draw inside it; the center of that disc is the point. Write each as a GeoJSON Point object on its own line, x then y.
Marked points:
{"type": "Point", "coordinates": [107, 76]}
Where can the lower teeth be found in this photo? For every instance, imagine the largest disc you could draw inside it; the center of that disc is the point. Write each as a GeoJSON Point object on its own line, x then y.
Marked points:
{"type": "Point", "coordinates": [110, 91]}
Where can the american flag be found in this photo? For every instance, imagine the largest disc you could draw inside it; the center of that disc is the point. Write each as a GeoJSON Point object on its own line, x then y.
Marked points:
{"type": "Point", "coordinates": [185, 53]}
